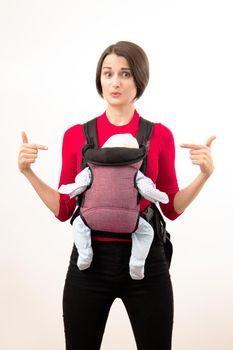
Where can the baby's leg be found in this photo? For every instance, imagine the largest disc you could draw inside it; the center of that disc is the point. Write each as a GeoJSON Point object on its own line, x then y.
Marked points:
{"type": "Point", "coordinates": [141, 242]}
{"type": "Point", "coordinates": [82, 239]}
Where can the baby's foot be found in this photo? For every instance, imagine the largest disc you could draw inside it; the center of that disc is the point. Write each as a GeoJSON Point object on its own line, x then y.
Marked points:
{"type": "Point", "coordinates": [136, 272]}
{"type": "Point", "coordinates": [85, 258]}
{"type": "Point", "coordinates": [83, 264]}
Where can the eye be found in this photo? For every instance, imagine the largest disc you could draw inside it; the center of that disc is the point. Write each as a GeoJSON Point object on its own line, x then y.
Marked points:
{"type": "Point", "coordinates": [126, 74]}
{"type": "Point", "coordinates": [107, 74]}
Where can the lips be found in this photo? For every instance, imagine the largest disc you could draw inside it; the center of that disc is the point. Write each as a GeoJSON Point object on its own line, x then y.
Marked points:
{"type": "Point", "coordinates": [115, 94]}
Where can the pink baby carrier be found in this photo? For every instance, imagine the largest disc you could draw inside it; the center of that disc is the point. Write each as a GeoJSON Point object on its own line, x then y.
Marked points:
{"type": "Point", "coordinates": [111, 203]}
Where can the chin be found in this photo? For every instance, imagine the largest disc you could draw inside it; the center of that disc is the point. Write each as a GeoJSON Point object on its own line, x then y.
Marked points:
{"type": "Point", "coordinates": [115, 102]}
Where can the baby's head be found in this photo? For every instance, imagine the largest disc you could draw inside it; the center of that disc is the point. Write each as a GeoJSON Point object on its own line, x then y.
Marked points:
{"type": "Point", "coordinates": [121, 140]}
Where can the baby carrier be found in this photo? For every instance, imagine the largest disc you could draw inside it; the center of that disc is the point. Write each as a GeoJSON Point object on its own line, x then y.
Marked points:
{"type": "Point", "coordinates": [111, 203]}
{"type": "Point", "coordinates": [117, 214]}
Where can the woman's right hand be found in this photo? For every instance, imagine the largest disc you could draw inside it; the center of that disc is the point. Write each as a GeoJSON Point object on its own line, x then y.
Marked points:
{"type": "Point", "coordinates": [28, 153]}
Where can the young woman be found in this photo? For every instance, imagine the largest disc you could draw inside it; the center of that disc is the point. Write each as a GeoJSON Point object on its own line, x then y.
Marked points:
{"type": "Point", "coordinates": [121, 77]}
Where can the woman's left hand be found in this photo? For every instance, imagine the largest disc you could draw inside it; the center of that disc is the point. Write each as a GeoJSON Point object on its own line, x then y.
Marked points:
{"type": "Point", "coordinates": [201, 155]}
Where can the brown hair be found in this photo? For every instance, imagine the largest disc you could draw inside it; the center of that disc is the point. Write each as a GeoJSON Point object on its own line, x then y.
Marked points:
{"type": "Point", "coordinates": [137, 60]}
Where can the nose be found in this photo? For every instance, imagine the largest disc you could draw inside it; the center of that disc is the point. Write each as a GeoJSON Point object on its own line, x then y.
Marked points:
{"type": "Point", "coordinates": [115, 82]}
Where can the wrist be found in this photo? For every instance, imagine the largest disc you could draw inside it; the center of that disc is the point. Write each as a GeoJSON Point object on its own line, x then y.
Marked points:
{"type": "Point", "coordinates": [205, 175]}
{"type": "Point", "coordinates": [26, 172]}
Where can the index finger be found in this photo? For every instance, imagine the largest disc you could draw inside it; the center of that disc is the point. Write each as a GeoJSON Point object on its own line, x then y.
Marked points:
{"type": "Point", "coordinates": [196, 146]}
{"type": "Point", "coordinates": [191, 146]}
{"type": "Point", "coordinates": [40, 147]}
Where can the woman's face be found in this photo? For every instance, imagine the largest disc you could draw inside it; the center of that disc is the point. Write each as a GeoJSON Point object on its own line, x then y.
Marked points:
{"type": "Point", "coordinates": [117, 82]}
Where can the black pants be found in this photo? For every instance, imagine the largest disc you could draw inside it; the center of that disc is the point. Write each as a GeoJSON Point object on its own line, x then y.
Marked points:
{"type": "Point", "coordinates": [89, 294]}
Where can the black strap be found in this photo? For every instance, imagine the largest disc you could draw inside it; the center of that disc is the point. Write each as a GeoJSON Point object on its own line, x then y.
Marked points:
{"type": "Point", "coordinates": [90, 131]}
{"type": "Point", "coordinates": [143, 137]}
{"type": "Point", "coordinates": [144, 131]}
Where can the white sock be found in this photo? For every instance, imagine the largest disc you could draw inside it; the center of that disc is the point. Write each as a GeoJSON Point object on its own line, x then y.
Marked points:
{"type": "Point", "coordinates": [85, 259]}
{"type": "Point", "coordinates": [136, 270]}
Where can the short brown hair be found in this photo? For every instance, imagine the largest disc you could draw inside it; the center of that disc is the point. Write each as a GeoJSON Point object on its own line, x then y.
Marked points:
{"type": "Point", "coordinates": [137, 60]}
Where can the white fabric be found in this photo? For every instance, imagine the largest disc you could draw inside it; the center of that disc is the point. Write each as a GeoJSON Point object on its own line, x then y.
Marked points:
{"type": "Point", "coordinates": [82, 181]}
{"type": "Point", "coordinates": [121, 140]}
{"type": "Point", "coordinates": [82, 239]}
{"type": "Point", "coordinates": [141, 242]}
{"type": "Point", "coordinates": [147, 189]}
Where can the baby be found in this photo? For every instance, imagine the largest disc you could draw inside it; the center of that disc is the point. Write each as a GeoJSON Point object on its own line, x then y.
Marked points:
{"type": "Point", "coordinates": [142, 237]}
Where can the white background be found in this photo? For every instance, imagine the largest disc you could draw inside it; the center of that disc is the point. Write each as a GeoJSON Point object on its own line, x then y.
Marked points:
{"type": "Point", "coordinates": [48, 55]}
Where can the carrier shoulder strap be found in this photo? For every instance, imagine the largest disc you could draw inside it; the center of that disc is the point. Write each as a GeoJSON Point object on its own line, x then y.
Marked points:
{"type": "Point", "coordinates": [143, 136]}
{"type": "Point", "coordinates": [90, 131]}
{"type": "Point", "coordinates": [144, 133]}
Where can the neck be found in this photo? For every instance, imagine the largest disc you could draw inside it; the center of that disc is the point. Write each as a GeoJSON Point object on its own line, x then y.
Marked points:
{"type": "Point", "coordinates": [120, 116]}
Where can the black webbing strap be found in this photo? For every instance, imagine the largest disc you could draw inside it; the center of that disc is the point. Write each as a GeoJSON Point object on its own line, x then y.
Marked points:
{"type": "Point", "coordinates": [144, 133]}
{"type": "Point", "coordinates": [90, 132]}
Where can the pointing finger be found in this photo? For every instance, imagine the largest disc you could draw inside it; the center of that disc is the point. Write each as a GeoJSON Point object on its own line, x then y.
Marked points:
{"type": "Point", "coordinates": [191, 146]}
{"type": "Point", "coordinates": [41, 147]}
{"type": "Point", "coordinates": [196, 146]}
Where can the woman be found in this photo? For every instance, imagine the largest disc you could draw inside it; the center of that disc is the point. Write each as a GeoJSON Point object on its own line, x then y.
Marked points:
{"type": "Point", "coordinates": [121, 77]}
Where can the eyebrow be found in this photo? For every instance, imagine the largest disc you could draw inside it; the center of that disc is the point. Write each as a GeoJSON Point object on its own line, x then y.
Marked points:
{"type": "Point", "coordinates": [123, 68]}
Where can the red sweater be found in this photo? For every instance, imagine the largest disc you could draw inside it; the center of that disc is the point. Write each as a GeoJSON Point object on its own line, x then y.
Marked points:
{"type": "Point", "coordinates": [160, 162]}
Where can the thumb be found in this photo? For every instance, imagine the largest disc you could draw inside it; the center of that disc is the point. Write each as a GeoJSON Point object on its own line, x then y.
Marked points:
{"type": "Point", "coordinates": [210, 140]}
{"type": "Point", "coordinates": [24, 137]}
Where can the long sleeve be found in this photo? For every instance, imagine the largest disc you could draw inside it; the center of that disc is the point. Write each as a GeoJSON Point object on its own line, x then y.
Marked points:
{"type": "Point", "coordinates": [167, 180]}
{"type": "Point", "coordinates": [73, 142]}
{"type": "Point", "coordinates": [161, 168]}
